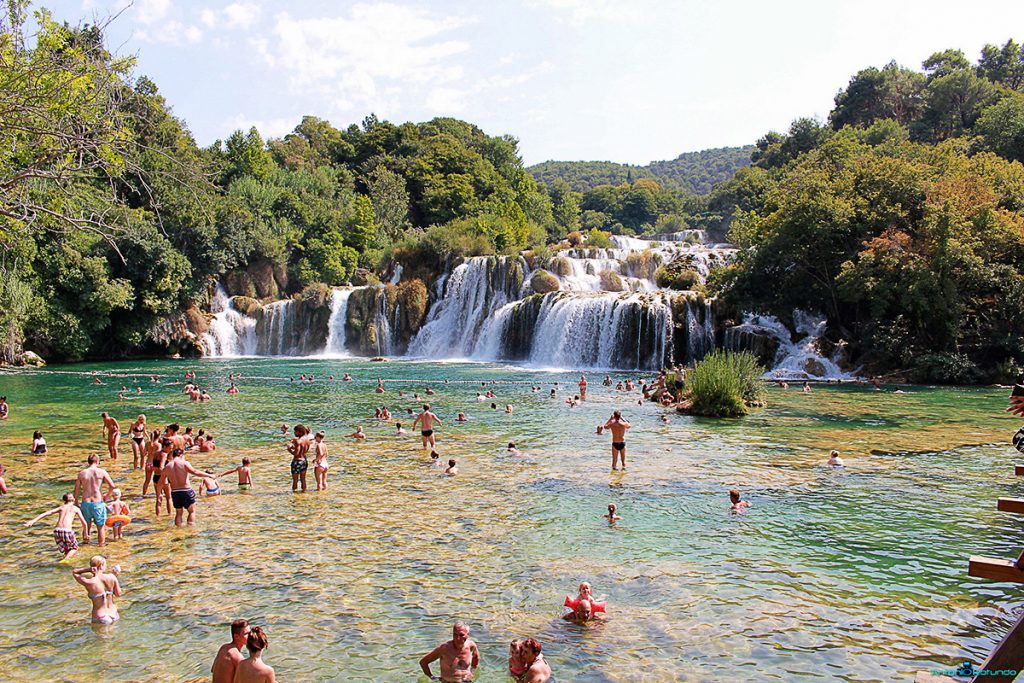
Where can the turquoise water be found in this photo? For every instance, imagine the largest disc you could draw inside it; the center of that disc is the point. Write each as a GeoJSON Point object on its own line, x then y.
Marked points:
{"type": "Point", "coordinates": [850, 575]}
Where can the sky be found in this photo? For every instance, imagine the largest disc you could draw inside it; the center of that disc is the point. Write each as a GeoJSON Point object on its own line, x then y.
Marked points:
{"type": "Point", "coordinates": [629, 80]}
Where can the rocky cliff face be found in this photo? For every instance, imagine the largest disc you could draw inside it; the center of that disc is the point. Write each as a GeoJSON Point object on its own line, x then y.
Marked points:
{"type": "Point", "coordinates": [179, 334]}
{"type": "Point", "coordinates": [382, 320]}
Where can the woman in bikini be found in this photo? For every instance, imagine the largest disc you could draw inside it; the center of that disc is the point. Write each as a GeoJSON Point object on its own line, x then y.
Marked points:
{"type": "Point", "coordinates": [102, 587]}
{"type": "Point", "coordinates": [151, 461]}
{"type": "Point", "coordinates": [138, 433]}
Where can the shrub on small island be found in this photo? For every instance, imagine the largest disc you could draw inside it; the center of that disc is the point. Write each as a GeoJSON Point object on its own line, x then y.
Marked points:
{"type": "Point", "coordinates": [725, 384]}
{"type": "Point", "coordinates": [672, 276]}
{"type": "Point", "coordinates": [543, 282]}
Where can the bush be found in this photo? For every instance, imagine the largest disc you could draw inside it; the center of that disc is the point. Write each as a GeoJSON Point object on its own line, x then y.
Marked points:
{"type": "Point", "coordinates": [544, 282]}
{"type": "Point", "coordinates": [724, 384]}
{"type": "Point", "coordinates": [458, 238]}
{"type": "Point", "coordinates": [673, 276]}
{"type": "Point", "coordinates": [611, 282]}
{"type": "Point", "coordinates": [944, 368]}
{"type": "Point", "coordinates": [598, 239]}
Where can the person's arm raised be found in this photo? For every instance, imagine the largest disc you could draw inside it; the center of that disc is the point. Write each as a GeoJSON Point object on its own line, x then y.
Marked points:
{"type": "Point", "coordinates": [41, 515]}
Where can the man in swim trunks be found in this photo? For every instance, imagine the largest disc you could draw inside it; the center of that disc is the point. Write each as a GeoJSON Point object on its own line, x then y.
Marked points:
{"type": "Point", "coordinates": [230, 654]}
{"type": "Point", "coordinates": [112, 430]}
{"type": "Point", "coordinates": [459, 657]}
{"type": "Point", "coordinates": [299, 447]}
{"type": "Point", "coordinates": [182, 496]}
{"type": "Point", "coordinates": [89, 489]}
{"type": "Point", "coordinates": [426, 420]}
{"type": "Point", "coordinates": [618, 426]}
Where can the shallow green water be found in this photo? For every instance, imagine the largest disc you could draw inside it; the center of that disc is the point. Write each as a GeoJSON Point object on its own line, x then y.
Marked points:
{"type": "Point", "coordinates": [852, 575]}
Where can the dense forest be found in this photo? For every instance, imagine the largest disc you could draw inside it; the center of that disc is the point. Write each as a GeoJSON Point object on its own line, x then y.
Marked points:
{"type": "Point", "coordinates": [691, 173]}
{"type": "Point", "coordinates": [901, 217]}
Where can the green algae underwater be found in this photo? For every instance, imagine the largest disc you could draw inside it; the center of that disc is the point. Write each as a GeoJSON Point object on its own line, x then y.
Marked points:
{"type": "Point", "coordinates": [855, 574]}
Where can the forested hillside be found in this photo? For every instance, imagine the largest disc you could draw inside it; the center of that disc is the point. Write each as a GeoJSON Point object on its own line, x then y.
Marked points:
{"type": "Point", "coordinates": [692, 173]}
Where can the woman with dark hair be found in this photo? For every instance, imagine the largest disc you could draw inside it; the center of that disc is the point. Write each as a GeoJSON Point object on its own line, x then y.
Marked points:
{"type": "Point", "coordinates": [253, 670]}
{"type": "Point", "coordinates": [38, 443]}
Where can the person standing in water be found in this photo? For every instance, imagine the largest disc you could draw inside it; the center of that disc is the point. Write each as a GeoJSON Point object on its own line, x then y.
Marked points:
{"type": "Point", "coordinates": [618, 426]}
{"type": "Point", "coordinates": [63, 532]}
{"type": "Point", "coordinates": [102, 587]}
{"type": "Point", "coordinates": [459, 657]}
{"type": "Point", "coordinates": [583, 387]}
{"type": "Point", "coordinates": [89, 489]}
{"type": "Point", "coordinates": [112, 431]}
{"type": "Point", "coordinates": [320, 464]}
{"type": "Point", "coordinates": [426, 421]}
{"type": "Point", "coordinates": [253, 670]}
{"type": "Point", "coordinates": [182, 495]}
{"type": "Point", "coordinates": [230, 654]}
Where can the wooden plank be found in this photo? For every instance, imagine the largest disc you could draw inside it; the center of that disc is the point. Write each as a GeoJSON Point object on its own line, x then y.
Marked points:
{"type": "Point", "coordinates": [996, 569]}
{"type": "Point", "coordinates": [1018, 470]}
{"type": "Point", "coordinates": [1008, 656]}
{"type": "Point", "coordinates": [1015, 505]}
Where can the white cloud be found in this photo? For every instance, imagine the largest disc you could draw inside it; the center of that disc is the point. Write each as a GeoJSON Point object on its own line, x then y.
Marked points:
{"type": "Point", "coordinates": [151, 11]}
{"type": "Point", "coordinates": [242, 14]}
{"type": "Point", "coordinates": [193, 34]}
{"type": "Point", "coordinates": [171, 33]}
{"type": "Point", "coordinates": [357, 58]}
{"type": "Point", "coordinates": [208, 17]}
{"type": "Point", "coordinates": [446, 100]}
{"type": "Point", "coordinates": [581, 11]}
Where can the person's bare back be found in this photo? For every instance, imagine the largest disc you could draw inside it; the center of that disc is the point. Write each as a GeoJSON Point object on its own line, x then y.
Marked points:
{"type": "Point", "coordinates": [225, 663]}
{"type": "Point", "coordinates": [253, 670]}
{"type": "Point", "coordinates": [90, 484]}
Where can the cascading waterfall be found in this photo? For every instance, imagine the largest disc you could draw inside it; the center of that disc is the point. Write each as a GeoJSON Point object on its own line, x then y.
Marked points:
{"type": "Point", "coordinates": [336, 336]}
{"type": "Point", "coordinates": [231, 333]}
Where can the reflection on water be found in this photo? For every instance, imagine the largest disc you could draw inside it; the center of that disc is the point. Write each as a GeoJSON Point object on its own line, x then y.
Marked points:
{"type": "Point", "coordinates": [851, 575]}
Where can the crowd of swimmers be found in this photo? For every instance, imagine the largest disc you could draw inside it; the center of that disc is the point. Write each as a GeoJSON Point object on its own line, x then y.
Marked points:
{"type": "Point", "coordinates": [97, 505]}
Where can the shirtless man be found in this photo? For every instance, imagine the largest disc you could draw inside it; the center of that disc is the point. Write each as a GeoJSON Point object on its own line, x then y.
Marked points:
{"type": "Point", "coordinates": [89, 489]}
{"type": "Point", "coordinates": [583, 387]}
{"type": "Point", "coordinates": [426, 421]}
{"type": "Point", "coordinates": [618, 425]}
{"type": "Point", "coordinates": [230, 654]}
{"type": "Point", "coordinates": [182, 496]}
{"type": "Point", "coordinates": [112, 430]}
{"type": "Point", "coordinates": [459, 657]}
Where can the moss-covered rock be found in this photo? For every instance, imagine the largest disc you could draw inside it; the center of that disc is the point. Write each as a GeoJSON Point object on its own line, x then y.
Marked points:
{"type": "Point", "coordinates": [677, 275]}
{"type": "Point", "coordinates": [543, 282]}
{"type": "Point", "coordinates": [610, 281]}
{"type": "Point", "coordinates": [265, 284]}
{"type": "Point", "coordinates": [559, 265]}
{"type": "Point", "coordinates": [363, 277]}
{"type": "Point", "coordinates": [247, 306]}
{"type": "Point", "coordinates": [239, 283]}
{"type": "Point", "coordinates": [412, 303]}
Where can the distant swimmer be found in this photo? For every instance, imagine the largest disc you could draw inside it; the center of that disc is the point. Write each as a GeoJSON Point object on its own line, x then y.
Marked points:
{"type": "Point", "coordinates": [583, 607]}
{"type": "Point", "coordinates": [600, 429]}
{"type": "Point", "coordinates": [430, 392]}
{"type": "Point", "coordinates": [358, 434]}
{"type": "Point", "coordinates": [459, 657]}
{"type": "Point", "coordinates": [398, 429]}
{"type": "Point", "coordinates": [737, 504]}
{"type": "Point", "coordinates": [583, 387]}
{"type": "Point", "coordinates": [834, 460]}
{"type": "Point", "coordinates": [508, 409]}
{"type": "Point", "coordinates": [618, 426]}
{"type": "Point", "coordinates": [346, 378]}
{"type": "Point", "coordinates": [807, 388]}
{"type": "Point", "coordinates": [209, 483]}
{"type": "Point", "coordinates": [607, 381]}
{"type": "Point", "coordinates": [38, 443]}
{"type": "Point", "coordinates": [232, 389]}
{"type": "Point", "coordinates": [230, 654]}
{"type": "Point", "coordinates": [253, 670]}
{"type": "Point", "coordinates": [435, 459]}
{"type": "Point", "coordinates": [480, 397]}
{"type": "Point", "coordinates": [612, 517]}
{"type": "Point", "coordinates": [5, 409]}
{"type": "Point", "coordinates": [512, 448]}
{"type": "Point", "coordinates": [380, 386]}
{"type": "Point", "coordinates": [112, 431]}
{"type": "Point", "coordinates": [3, 482]}
{"type": "Point", "coordinates": [63, 532]}
{"type": "Point", "coordinates": [426, 421]}
{"type": "Point", "coordinates": [452, 469]}
{"type": "Point", "coordinates": [462, 418]}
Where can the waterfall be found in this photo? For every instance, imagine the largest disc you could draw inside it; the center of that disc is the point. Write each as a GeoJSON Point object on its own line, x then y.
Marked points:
{"type": "Point", "coordinates": [791, 359]}
{"type": "Point", "coordinates": [336, 324]}
{"type": "Point", "coordinates": [474, 290]}
{"type": "Point", "coordinates": [385, 334]}
{"type": "Point", "coordinates": [231, 333]}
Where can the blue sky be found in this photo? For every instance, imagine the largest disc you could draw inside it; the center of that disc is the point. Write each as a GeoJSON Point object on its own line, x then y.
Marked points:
{"type": "Point", "coordinates": [629, 81]}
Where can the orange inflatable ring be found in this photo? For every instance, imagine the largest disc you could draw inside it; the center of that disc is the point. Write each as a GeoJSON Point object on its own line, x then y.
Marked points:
{"type": "Point", "coordinates": [123, 520]}
{"type": "Point", "coordinates": [573, 603]}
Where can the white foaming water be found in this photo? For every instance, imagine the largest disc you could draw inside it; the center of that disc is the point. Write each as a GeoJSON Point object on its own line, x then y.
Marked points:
{"type": "Point", "coordinates": [456, 318]}
{"type": "Point", "coordinates": [335, 346]}
{"type": "Point", "coordinates": [231, 333]}
{"type": "Point", "coordinates": [799, 359]}
{"type": "Point", "coordinates": [273, 331]}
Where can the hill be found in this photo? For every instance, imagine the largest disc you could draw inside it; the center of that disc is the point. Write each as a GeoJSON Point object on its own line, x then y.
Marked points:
{"type": "Point", "coordinates": [691, 173]}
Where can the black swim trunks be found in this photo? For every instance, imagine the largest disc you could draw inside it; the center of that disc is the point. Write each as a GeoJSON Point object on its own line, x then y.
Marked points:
{"type": "Point", "coordinates": [619, 445]}
{"type": "Point", "coordinates": [183, 498]}
{"type": "Point", "coordinates": [156, 478]}
{"type": "Point", "coordinates": [299, 466]}
{"type": "Point", "coordinates": [427, 432]}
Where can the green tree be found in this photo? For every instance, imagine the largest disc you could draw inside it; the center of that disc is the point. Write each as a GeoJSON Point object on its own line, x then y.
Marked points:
{"type": "Point", "coordinates": [565, 206]}
{"type": "Point", "coordinates": [390, 201]}
{"type": "Point", "coordinates": [362, 230]}
{"type": "Point", "coordinates": [1001, 127]}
